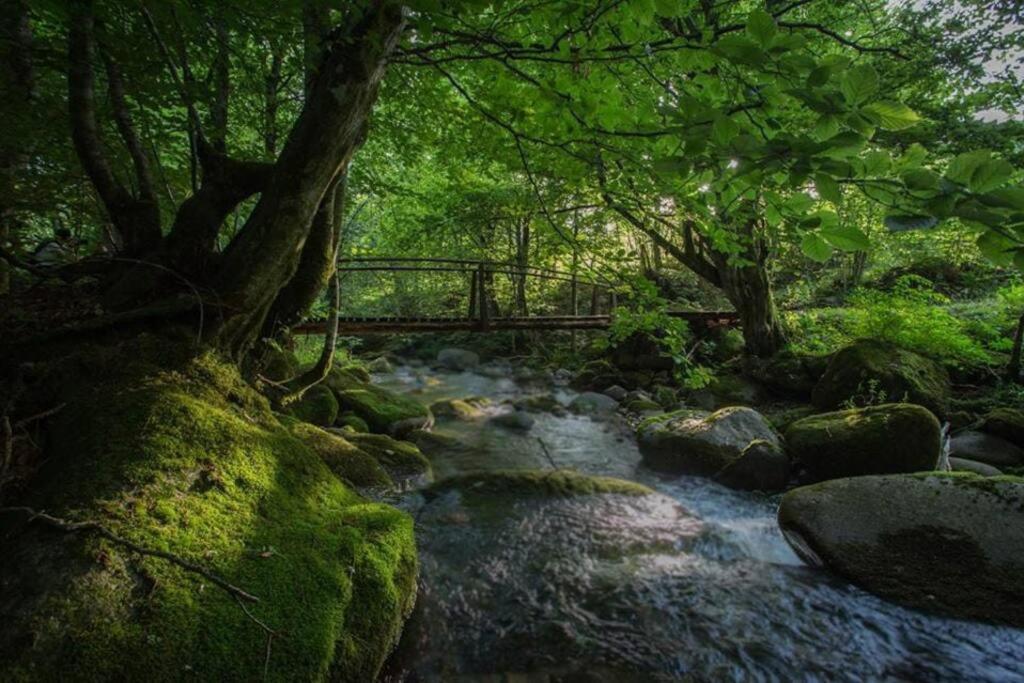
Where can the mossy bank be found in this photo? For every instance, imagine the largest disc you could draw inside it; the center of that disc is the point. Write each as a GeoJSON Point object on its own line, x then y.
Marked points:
{"type": "Point", "coordinates": [177, 453]}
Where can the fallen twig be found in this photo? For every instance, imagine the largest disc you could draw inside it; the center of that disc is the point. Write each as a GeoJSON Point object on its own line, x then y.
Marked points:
{"type": "Point", "coordinates": [547, 454]}
{"type": "Point", "coordinates": [97, 528]}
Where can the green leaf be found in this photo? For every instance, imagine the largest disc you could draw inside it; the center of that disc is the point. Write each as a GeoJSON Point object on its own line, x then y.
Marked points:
{"type": "Point", "coordinates": [815, 248]}
{"type": "Point", "coordinates": [672, 165]}
{"type": "Point", "coordinates": [798, 204]}
{"type": "Point", "coordinates": [859, 83]}
{"type": "Point", "coordinates": [828, 188]}
{"type": "Point", "coordinates": [997, 248]}
{"type": "Point", "coordinates": [761, 27]}
{"type": "Point", "coordinates": [905, 223]}
{"type": "Point", "coordinates": [724, 130]}
{"type": "Point", "coordinates": [739, 49]}
{"type": "Point", "coordinates": [892, 115]}
{"type": "Point", "coordinates": [1006, 198]}
{"type": "Point", "coordinates": [847, 238]}
{"type": "Point", "coordinates": [827, 126]}
{"type": "Point", "coordinates": [913, 157]}
{"type": "Point", "coordinates": [819, 76]}
{"type": "Point", "coordinates": [921, 179]}
{"type": "Point", "coordinates": [990, 175]}
{"type": "Point", "coordinates": [876, 163]}
{"type": "Point", "coordinates": [962, 168]}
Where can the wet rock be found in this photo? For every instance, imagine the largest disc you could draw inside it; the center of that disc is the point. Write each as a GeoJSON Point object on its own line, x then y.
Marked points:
{"type": "Point", "coordinates": [458, 359]}
{"type": "Point", "coordinates": [593, 403]}
{"type": "Point", "coordinates": [870, 371]}
{"type": "Point", "coordinates": [638, 395]}
{"type": "Point", "coordinates": [641, 406]}
{"type": "Point", "coordinates": [540, 403]}
{"type": "Point", "coordinates": [948, 542]}
{"type": "Point", "coordinates": [384, 411]}
{"type": "Point", "coordinates": [597, 375]}
{"type": "Point", "coordinates": [467, 410]}
{"type": "Point", "coordinates": [885, 439]}
{"type": "Point", "coordinates": [493, 371]}
{"type": "Point", "coordinates": [964, 465]}
{"type": "Point", "coordinates": [518, 420]}
{"type": "Point", "coordinates": [1006, 423]}
{"type": "Point", "coordinates": [402, 460]}
{"type": "Point", "coordinates": [736, 446]}
{"type": "Point", "coordinates": [986, 448]}
{"type": "Point", "coordinates": [616, 392]}
{"type": "Point", "coordinates": [561, 375]}
{"type": "Point", "coordinates": [353, 422]}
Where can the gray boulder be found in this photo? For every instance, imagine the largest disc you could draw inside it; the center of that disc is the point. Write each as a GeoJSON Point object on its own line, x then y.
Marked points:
{"type": "Point", "coordinates": [736, 446]}
{"type": "Point", "coordinates": [518, 420]}
{"type": "Point", "coordinates": [616, 392]}
{"type": "Point", "coordinates": [885, 439]}
{"type": "Point", "coordinates": [380, 366]}
{"type": "Point", "coordinates": [947, 542]}
{"type": "Point", "coordinates": [964, 465]}
{"type": "Point", "coordinates": [593, 403]}
{"type": "Point", "coordinates": [986, 448]}
{"type": "Point", "coordinates": [458, 359]}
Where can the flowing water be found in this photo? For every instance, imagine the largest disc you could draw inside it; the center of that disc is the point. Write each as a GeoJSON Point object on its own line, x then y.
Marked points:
{"type": "Point", "coordinates": [695, 583]}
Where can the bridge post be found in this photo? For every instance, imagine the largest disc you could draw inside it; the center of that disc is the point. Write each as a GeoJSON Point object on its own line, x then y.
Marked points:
{"type": "Point", "coordinates": [481, 298]}
{"type": "Point", "coordinates": [473, 278]}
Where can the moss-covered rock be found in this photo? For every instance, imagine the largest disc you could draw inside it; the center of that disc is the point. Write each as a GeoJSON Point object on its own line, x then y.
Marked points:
{"type": "Point", "coordinates": [870, 371]}
{"type": "Point", "coordinates": [353, 422]}
{"type": "Point", "coordinates": [885, 439]}
{"type": "Point", "coordinates": [383, 411]}
{"type": "Point", "coordinates": [788, 373]}
{"type": "Point", "coordinates": [277, 364]}
{"type": "Point", "coordinates": [728, 390]}
{"type": "Point", "coordinates": [641, 406]}
{"type": "Point", "coordinates": [401, 459]}
{"type": "Point", "coordinates": [317, 406]}
{"type": "Point", "coordinates": [949, 542]}
{"type": "Point", "coordinates": [540, 403]}
{"type": "Point", "coordinates": [178, 454]}
{"type": "Point", "coordinates": [598, 375]}
{"type": "Point", "coordinates": [468, 409]}
{"type": "Point", "coordinates": [965, 465]}
{"type": "Point", "coordinates": [1006, 423]}
{"type": "Point", "coordinates": [736, 446]}
{"type": "Point", "coordinates": [345, 459]}
{"type": "Point", "coordinates": [536, 483]}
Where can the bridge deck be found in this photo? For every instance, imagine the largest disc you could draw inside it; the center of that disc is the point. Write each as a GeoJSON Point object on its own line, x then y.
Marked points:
{"type": "Point", "coordinates": [356, 325]}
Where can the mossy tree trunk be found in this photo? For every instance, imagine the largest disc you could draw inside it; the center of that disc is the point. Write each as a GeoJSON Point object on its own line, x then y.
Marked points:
{"type": "Point", "coordinates": [294, 222]}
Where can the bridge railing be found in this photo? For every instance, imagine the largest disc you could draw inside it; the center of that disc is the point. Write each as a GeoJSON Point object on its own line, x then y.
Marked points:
{"type": "Point", "coordinates": [480, 275]}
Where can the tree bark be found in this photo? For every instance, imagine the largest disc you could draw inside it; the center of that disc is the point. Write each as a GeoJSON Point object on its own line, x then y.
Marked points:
{"type": "Point", "coordinates": [330, 128]}
{"type": "Point", "coordinates": [18, 77]}
{"type": "Point", "coordinates": [136, 220]}
{"type": "Point", "coordinates": [1013, 367]}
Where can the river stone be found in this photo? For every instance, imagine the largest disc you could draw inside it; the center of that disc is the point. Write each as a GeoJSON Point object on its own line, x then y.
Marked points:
{"type": "Point", "coordinates": [458, 409]}
{"type": "Point", "coordinates": [384, 411]}
{"type": "Point", "coordinates": [318, 406]}
{"type": "Point", "coordinates": [593, 403]}
{"type": "Point", "coordinates": [964, 465]}
{"type": "Point", "coordinates": [1006, 423]}
{"type": "Point", "coordinates": [518, 419]}
{"type": "Point", "coordinates": [949, 542]}
{"type": "Point", "coordinates": [714, 444]}
{"type": "Point", "coordinates": [986, 448]}
{"type": "Point", "coordinates": [885, 439]}
{"type": "Point", "coordinates": [458, 359]}
{"type": "Point", "coordinates": [869, 370]}
{"type": "Point", "coordinates": [539, 403]}
{"type": "Point", "coordinates": [616, 392]}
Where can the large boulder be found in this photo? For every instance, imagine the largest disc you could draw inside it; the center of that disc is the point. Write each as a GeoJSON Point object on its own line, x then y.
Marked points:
{"type": "Point", "coordinates": [402, 460]}
{"type": "Point", "coordinates": [870, 371]}
{"type": "Point", "coordinates": [951, 542]}
{"type": "Point", "coordinates": [384, 411]}
{"type": "Point", "coordinates": [458, 359]}
{"type": "Point", "coordinates": [345, 459]}
{"type": "Point", "coordinates": [736, 446]}
{"type": "Point", "coordinates": [1006, 423]}
{"type": "Point", "coordinates": [884, 439]}
{"type": "Point", "coordinates": [728, 390]}
{"type": "Point", "coordinates": [593, 403]}
{"type": "Point", "coordinates": [788, 373]}
{"type": "Point", "coordinates": [964, 465]}
{"type": "Point", "coordinates": [986, 448]}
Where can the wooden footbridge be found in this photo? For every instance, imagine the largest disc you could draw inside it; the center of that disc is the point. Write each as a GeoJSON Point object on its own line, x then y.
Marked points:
{"type": "Point", "coordinates": [481, 309]}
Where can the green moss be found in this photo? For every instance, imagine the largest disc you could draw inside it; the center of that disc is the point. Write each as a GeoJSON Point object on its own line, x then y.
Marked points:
{"type": "Point", "coordinates": [641, 405]}
{"type": "Point", "coordinates": [353, 422]}
{"type": "Point", "coordinates": [458, 409]}
{"type": "Point", "coordinates": [401, 459]}
{"type": "Point", "coordinates": [382, 410]}
{"type": "Point", "coordinates": [179, 454]}
{"type": "Point", "coordinates": [344, 458]}
{"type": "Point", "coordinates": [1007, 423]}
{"type": "Point", "coordinates": [317, 406]}
{"type": "Point", "coordinates": [870, 371]}
{"type": "Point", "coordinates": [277, 364]}
{"type": "Point", "coordinates": [883, 439]}
{"type": "Point", "coordinates": [537, 483]}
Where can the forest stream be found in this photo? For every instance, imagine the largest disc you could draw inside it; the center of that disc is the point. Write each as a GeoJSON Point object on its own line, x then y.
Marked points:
{"type": "Point", "coordinates": [694, 581]}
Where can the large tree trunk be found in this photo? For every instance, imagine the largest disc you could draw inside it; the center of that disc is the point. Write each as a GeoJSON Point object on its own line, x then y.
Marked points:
{"type": "Point", "coordinates": [265, 254]}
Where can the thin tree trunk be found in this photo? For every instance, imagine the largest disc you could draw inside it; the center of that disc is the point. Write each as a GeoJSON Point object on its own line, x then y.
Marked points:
{"type": "Point", "coordinates": [1013, 367]}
